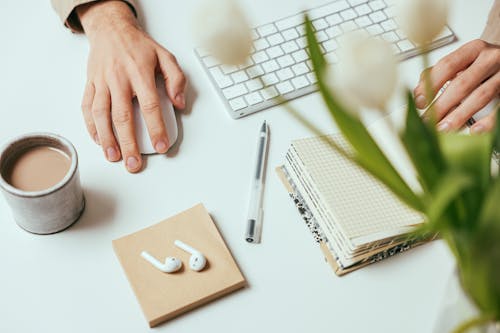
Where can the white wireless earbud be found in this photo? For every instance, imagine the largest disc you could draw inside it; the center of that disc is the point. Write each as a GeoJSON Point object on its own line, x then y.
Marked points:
{"type": "Point", "coordinates": [197, 261]}
{"type": "Point", "coordinates": [171, 264]}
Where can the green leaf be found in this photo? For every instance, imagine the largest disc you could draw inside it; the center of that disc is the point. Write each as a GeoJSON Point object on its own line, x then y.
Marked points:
{"type": "Point", "coordinates": [490, 212]}
{"type": "Point", "coordinates": [448, 189]}
{"type": "Point", "coordinates": [422, 145]}
{"type": "Point", "coordinates": [469, 153]}
{"type": "Point", "coordinates": [366, 152]}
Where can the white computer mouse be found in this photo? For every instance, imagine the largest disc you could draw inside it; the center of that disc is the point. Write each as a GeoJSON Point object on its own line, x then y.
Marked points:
{"type": "Point", "coordinates": [167, 110]}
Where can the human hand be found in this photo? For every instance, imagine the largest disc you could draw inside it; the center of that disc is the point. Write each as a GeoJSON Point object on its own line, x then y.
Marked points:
{"type": "Point", "coordinates": [122, 64]}
{"type": "Point", "coordinates": [474, 74]}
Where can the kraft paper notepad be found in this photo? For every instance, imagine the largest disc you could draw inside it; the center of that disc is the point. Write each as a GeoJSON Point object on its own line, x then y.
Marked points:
{"type": "Point", "coordinates": [163, 296]}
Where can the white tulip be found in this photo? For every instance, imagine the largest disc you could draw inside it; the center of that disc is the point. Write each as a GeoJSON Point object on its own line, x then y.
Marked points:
{"type": "Point", "coordinates": [223, 30]}
{"type": "Point", "coordinates": [422, 20]}
{"type": "Point", "coordinates": [366, 73]}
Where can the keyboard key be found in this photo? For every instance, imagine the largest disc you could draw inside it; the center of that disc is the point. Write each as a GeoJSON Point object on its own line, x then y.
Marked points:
{"type": "Point", "coordinates": [290, 22]}
{"type": "Point", "coordinates": [284, 74]}
{"type": "Point", "coordinates": [331, 58]}
{"type": "Point", "coordinates": [261, 44]}
{"type": "Point", "coordinates": [348, 26]}
{"type": "Point", "coordinates": [389, 25]}
{"type": "Point", "coordinates": [390, 36]}
{"type": "Point", "coordinates": [300, 69]}
{"type": "Point", "coordinates": [374, 29]}
{"type": "Point", "coordinates": [228, 69]}
{"type": "Point", "coordinates": [275, 39]}
{"type": "Point", "coordinates": [312, 77]}
{"type": "Point", "coordinates": [270, 66]}
{"type": "Point", "coordinates": [274, 52]}
{"type": "Point", "coordinates": [319, 24]}
{"type": "Point", "coordinates": [333, 32]}
{"type": "Point", "coordinates": [363, 21]}
{"type": "Point", "coordinates": [285, 61]}
{"type": "Point", "coordinates": [290, 34]}
{"type": "Point", "coordinates": [333, 7]}
{"type": "Point", "coordinates": [348, 14]}
{"type": "Point", "coordinates": [300, 56]}
{"type": "Point", "coordinates": [222, 80]}
{"type": "Point", "coordinates": [237, 104]}
{"type": "Point", "coordinates": [301, 29]}
{"type": "Point", "coordinates": [330, 45]}
{"type": "Point", "coordinates": [377, 4]}
{"type": "Point", "coordinates": [354, 3]}
{"type": "Point", "coordinates": [255, 71]}
{"type": "Point", "coordinates": [269, 92]}
{"type": "Point", "coordinates": [234, 91]}
{"type": "Point", "coordinates": [254, 84]}
{"type": "Point", "coordinates": [284, 87]}
{"type": "Point", "coordinates": [239, 76]}
{"type": "Point", "coordinates": [270, 79]}
{"type": "Point", "coordinates": [255, 34]}
{"type": "Point", "coordinates": [210, 61]}
{"type": "Point", "coordinates": [300, 82]}
{"type": "Point", "coordinates": [362, 10]}
{"type": "Point", "coordinates": [253, 98]}
{"type": "Point", "coordinates": [405, 45]}
{"type": "Point", "coordinates": [377, 17]}
{"type": "Point", "coordinates": [401, 34]}
{"type": "Point", "coordinates": [302, 42]}
{"type": "Point", "coordinates": [259, 57]}
{"type": "Point", "coordinates": [267, 30]}
{"type": "Point", "coordinates": [321, 36]}
{"type": "Point", "coordinates": [290, 47]}
{"type": "Point", "coordinates": [334, 19]}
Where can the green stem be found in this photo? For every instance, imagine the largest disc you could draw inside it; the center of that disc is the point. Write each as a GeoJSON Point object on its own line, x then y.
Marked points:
{"type": "Point", "coordinates": [477, 321]}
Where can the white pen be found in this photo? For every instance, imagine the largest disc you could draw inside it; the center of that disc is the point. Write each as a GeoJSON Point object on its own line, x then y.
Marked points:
{"type": "Point", "coordinates": [254, 222]}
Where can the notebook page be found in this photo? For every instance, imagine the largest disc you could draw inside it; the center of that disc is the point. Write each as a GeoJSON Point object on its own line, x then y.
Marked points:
{"type": "Point", "coordinates": [359, 203]}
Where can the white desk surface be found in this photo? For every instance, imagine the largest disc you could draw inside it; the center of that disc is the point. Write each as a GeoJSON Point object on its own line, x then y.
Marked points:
{"type": "Point", "coordinates": [72, 281]}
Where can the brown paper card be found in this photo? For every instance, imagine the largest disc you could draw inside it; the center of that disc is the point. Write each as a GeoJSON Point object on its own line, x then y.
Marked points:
{"type": "Point", "coordinates": [163, 296]}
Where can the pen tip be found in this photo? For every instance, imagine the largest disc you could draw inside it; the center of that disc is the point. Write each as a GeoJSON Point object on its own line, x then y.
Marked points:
{"type": "Point", "coordinates": [264, 126]}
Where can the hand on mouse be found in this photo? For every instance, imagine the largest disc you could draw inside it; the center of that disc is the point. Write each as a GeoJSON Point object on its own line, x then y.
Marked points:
{"type": "Point", "coordinates": [474, 74]}
{"type": "Point", "coordinates": [122, 64]}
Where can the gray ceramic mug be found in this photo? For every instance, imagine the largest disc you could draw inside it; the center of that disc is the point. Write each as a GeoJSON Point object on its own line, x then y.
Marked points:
{"type": "Point", "coordinates": [50, 210]}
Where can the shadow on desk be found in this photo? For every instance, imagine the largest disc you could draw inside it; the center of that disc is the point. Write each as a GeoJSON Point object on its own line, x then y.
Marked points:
{"type": "Point", "coordinates": [99, 210]}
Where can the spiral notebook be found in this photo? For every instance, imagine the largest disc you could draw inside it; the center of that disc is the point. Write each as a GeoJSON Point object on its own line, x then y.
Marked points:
{"type": "Point", "coordinates": [355, 218]}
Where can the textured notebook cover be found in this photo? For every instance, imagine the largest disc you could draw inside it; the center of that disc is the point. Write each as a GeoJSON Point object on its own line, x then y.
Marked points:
{"type": "Point", "coordinates": [163, 296]}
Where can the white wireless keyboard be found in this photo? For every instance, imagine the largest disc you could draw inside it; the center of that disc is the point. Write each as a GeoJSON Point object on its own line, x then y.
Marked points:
{"type": "Point", "coordinates": [279, 63]}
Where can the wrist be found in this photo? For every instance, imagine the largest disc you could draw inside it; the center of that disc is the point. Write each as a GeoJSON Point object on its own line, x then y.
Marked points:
{"type": "Point", "coordinates": [103, 16]}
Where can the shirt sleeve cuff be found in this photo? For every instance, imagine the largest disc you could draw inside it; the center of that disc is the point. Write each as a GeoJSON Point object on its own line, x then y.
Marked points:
{"type": "Point", "coordinates": [491, 32]}
{"type": "Point", "coordinates": [66, 11]}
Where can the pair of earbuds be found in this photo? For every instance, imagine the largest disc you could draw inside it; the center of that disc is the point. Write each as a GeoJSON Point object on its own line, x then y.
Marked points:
{"type": "Point", "coordinates": [197, 261]}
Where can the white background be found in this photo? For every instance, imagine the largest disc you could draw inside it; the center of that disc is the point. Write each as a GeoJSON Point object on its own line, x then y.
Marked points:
{"type": "Point", "coordinates": [72, 281]}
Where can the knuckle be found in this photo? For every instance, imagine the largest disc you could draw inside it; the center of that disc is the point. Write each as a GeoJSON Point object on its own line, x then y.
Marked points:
{"type": "Point", "coordinates": [100, 111]}
{"type": "Point", "coordinates": [121, 117]}
{"type": "Point", "coordinates": [478, 43]}
{"type": "Point", "coordinates": [461, 84]}
{"type": "Point", "coordinates": [446, 64]}
{"type": "Point", "coordinates": [150, 106]}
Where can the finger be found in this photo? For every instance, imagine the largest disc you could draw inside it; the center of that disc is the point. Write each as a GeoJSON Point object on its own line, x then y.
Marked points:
{"type": "Point", "coordinates": [101, 113]}
{"type": "Point", "coordinates": [485, 124]}
{"type": "Point", "coordinates": [122, 113]}
{"type": "Point", "coordinates": [149, 102]}
{"type": "Point", "coordinates": [479, 98]}
{"type": "Point", "coordinates": [462, 86]}
{"type": "Point", "coordinates": [87, 100]}
{"type": "Point", "coordinates": [175, 80]}
{"type": "Point", "coordinates": [446, 69]}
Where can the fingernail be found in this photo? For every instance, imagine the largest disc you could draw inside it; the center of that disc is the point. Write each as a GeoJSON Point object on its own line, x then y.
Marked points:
{"type": "Point", "coordinates": [477, 129]}
{"type": "Point", "coordinates": [444, 126]}
{"type": "Point", "coordinates": [132, 163]}
{"type": "Point", "coordinates": [180, 99]}
{"type": "Point", "coordinates": [161, 147]}
{"type": "Point", "coordinates": [420, 101]}
{"type": "Point", "coordinates": [96, 139]}
{"type": "Point", "coordinates": [112, 154]}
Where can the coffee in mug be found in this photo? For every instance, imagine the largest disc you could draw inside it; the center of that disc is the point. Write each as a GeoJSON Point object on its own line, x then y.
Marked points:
{"type": "Point", "coordinates": [40, 181]}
